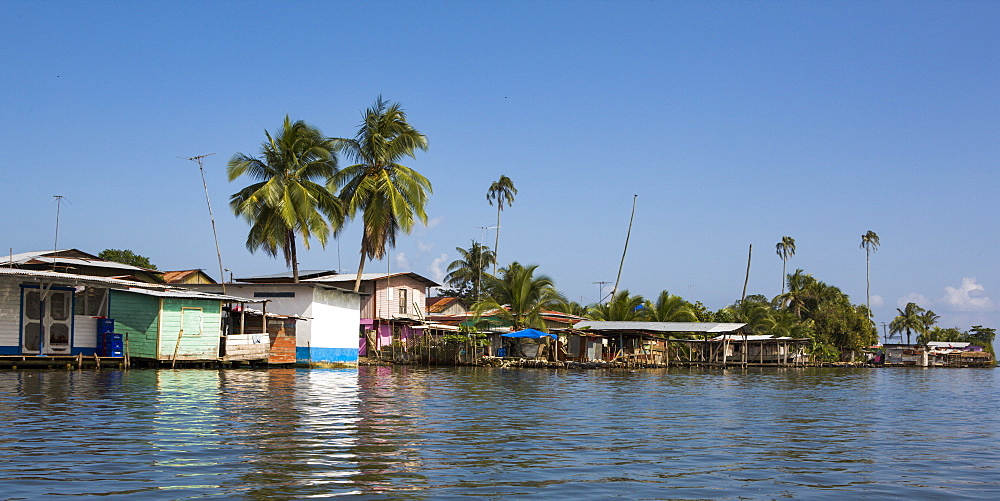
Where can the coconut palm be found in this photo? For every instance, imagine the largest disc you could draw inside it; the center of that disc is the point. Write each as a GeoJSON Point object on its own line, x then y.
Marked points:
{"type": "Point", "coordinates": [785, 249]}
{"type": "Point", "coordinates": [289, 198]}
{"type": "Point", "coordinates": [470, 268]}
{"type": "Point", "coordinates": [910, 319]}
{"type": "Point", "coordinates": [517, 297]}
{"type": "Point", "coordinates": [502, 191]}
{"type": "Point", "coordinates": [870, 243]}
{"type": "Point", "coordinates": [390, 196]}
{"type": "Point", "coordinates": [669, 308]}
{"type": "Point", "coordinates": [622, 307]}
{"type": "Point", "coordinates": [798, 295]}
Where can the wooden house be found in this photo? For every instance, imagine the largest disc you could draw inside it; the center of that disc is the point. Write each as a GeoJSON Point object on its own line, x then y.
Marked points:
{"type": "Point", "coordinates": [45, 313]}
{"type": "Point", "coordinates": [184, 277]}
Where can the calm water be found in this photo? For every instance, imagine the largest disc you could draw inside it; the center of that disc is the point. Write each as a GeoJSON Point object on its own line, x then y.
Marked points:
{"type": "Point", "coordinates": [417, 433]}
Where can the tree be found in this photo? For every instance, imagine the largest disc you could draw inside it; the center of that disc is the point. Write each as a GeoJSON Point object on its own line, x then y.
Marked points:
{"type": "Point", "coordinates": [982, 336]}
{"type": "Point", "coordinates": [669, 308]}
{"type": "Point", "coordinates": [289, 198]}
{"type": "Point", "coordinates": [799, 293]}
{"type": "Point", "coordinates": [466, 273]}
{"type": "Point", "coordinates": [622, 307]}
{"type": "Point", "coordinates": [910, 319]}
{"type": "Point", "coordinates": [870, 243]}
{"type": "Point", "coordinates": [389, 195]}
{"type": "Point", "coordinates": [126, 256]}
{"type": "Point", "coordinates": [518, 297]}
{"type": "Point", "coordinates": [502, 191]}
{"type": "Point", "coordinates": [785, 249]}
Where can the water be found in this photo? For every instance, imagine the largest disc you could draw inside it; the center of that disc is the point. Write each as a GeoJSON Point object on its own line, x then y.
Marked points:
{"type": "Point", "coordinates": [439, 433]}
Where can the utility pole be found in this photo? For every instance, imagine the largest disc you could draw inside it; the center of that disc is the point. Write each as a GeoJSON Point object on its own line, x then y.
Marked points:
{"type": "Point", "coordinates": [627, 235]}
{"type": "Point", "coordinates": [218, 253]}
{"type": "Point", "coordinates": [747, 279]}
{"type": "Point", "coordinates": [885, 334]}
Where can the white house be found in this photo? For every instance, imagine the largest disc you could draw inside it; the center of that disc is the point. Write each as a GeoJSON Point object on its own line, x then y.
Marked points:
{"type": "Point", "coordinates": [331, 332]}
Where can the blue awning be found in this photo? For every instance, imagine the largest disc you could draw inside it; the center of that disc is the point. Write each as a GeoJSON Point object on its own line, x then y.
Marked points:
{"type": "Point", "coordinates": [529, 333]}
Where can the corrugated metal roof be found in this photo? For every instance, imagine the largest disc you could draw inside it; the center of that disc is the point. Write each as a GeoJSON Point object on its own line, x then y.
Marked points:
{"type": "Point", "coordinates": [329, 276]}
{"type": "Point", "coordinates": [46, 257]}
{"type": "Point", "coordinates": [708, 327]}
{"type": "Point", "coordinates": [125, 285]}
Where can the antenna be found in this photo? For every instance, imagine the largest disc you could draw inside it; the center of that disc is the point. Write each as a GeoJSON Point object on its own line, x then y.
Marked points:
{"type": "Point", "coordinates": [601, 288]}
{"type": "Point", "coordinates": [55, 244]}
{"type": "Point", "coordinates": [211, 216]}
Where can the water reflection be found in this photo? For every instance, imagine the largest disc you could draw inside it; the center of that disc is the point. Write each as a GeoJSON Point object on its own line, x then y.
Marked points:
{"type": "Point", "coordinates": [423, 433]}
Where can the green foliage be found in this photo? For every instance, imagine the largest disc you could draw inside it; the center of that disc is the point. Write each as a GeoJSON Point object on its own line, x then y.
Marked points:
{"type": "Point", "coordinates": [465, 274]}
{"type": "Point", "coordinates": [571, 308]}
{"type": "Point", "coordinates": [518, 297]}
{"type": "Point", "coordinates": [126, 256]}
{"type": "Point", "coordinates": [622, 307]}
{"type": "Point", "coordinates": [289, 198]}
{"type": "Point", "coordinates": [502, 192]}
{"type": "Point", "coordinates": [912, 318]}
{"type": "Point", "coordinates": [389, 196]}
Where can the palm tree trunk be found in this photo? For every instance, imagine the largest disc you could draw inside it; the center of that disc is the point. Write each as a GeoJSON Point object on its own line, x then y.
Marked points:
{"type": "Point", "coordinates": [496, 244]}
{"type": "Point", "coordinates": [784, 262]}
{"type": "Point", "coordinates": [868, 282]}
{"type": "Point", "coordinates": [361, 269]}
{"type": "Point", "coordinates": [294, 257]}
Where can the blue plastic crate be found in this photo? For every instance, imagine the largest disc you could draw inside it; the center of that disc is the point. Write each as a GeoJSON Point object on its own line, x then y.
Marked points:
{"type": "Point", "coordinates": [105, 325]}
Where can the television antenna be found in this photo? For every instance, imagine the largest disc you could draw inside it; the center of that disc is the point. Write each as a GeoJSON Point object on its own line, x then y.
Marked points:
{"type": "Point", "coordinates": [218, 253]}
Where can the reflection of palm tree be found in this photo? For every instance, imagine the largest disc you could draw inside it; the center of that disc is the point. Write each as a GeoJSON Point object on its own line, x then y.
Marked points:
{"type": "Point", "coordinates": [518, 297]}
{"type": "Point", "coordinates": [389, 196]}
{"type": "Point", "coordinates": [470, 267]}
{"type": "Point", "coordinates": [287, 201]}
{"type": "Point", "coordinates": [502, 191]}
{"type": "Point", "coordinates": [622, 307]}
{"type": "Point", "coordinates": [870, 243]}
{"type": "Point", "coordinates": [785, 249]}
{"type": "Point", "coordinates": [910, 319]}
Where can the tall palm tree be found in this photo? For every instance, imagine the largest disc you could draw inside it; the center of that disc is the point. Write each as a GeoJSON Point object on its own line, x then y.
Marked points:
{"type": "Point", "coordinates": [870, 243]}
{"type": "Point", "coordinates": [622, 307]}
{"type": "Point", "coordinates": [470, 267]}
{"type": "Point", "coordinates": [785, 249]}
{"type": "Point", "coordinates": [390, 196]}
{"type": "Point", "coordinates": [669, 308]}
{"type": "Point", "coordinates": [518, 297]}
{"type": "Point", "coordinates": [799, 293]}
{"type": "Point", "coordinates": [502, 191]}
{"type": "Point", "coordinates": [289, 198]}
{"type": "Point", "coordinates": [910, 319]}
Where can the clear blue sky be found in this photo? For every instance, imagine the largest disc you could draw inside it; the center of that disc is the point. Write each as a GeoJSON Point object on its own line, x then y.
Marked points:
{"type": "Point", "coordinates": [735, 123]}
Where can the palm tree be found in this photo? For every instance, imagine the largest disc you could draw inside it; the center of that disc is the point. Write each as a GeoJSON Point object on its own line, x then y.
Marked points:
{"type": "Point", "coordinates": [470, 268]}
{"type": "Point", "coordinates": [390, 196]}
{"type": "Point", "coordinates": [289, 198]}
{"type": "Point", "coordinates": [518, 297]}
{"type": "Point", "coordinates": [870, 243]}
{"type": "Point", "coordinates": [622, 307]}
{"type": "Point", "coordinates": [669, 308]}
{"type": "Point", "coordinates": [502, 191]}
{"type": "Point", "coordinates": [785, 249]}
{"type": "Point", "coordinates": [910, 319]}
{"type": "Point", "coordinates": [798, 295]}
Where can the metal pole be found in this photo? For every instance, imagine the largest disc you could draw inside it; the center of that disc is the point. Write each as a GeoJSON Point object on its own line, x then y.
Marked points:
{"type": "Point", "coordinates": [627, 235]}
{"type": "Point", "coordinates": [218, 253]}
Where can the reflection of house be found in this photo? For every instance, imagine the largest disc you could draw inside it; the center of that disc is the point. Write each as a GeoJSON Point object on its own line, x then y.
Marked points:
{"type": "Point", "coordinates": [80, 263]}
{"type": "Point", "coordinates": [331, 333]}
{"type": "Point", "coordinates": [51, 313]}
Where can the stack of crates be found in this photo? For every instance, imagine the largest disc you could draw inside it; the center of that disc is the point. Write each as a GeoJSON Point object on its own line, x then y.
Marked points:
{"type": "Point", "coordinates": [109, 343]}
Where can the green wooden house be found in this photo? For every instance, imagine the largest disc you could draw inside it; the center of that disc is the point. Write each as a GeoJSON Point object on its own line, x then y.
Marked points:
{"type": "Point", "coordinates": [168, 325]}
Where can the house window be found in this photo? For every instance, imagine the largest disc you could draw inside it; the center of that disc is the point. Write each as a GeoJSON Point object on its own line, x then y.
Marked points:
{"type": "Point", "coordinates": [91, 301]}
{"type": "Point", "coordinates": [402, 301]}
{"type": "Point", "coordinates": [274, 294]}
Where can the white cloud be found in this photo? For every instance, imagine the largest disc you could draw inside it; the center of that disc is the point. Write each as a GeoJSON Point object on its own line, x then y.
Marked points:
{"type": "Point", "coordinates": [434, 222]}
{"type": "Point", "coordinates": [878, 301]}
{"type": "Point", "coordinates": [437, 271]}
{"type": "Point", "coordinates": [967, 297]}
{"type": "Point", "coordinates": [920, 299]}
{"type": "Point", "coordinates": [401, 261]}
{"type": "Point", "coordinates": [424, 247]}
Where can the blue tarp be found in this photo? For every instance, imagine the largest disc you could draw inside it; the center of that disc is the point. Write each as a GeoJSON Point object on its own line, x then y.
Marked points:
{"type": "Point", "coordinates": [529, 333]}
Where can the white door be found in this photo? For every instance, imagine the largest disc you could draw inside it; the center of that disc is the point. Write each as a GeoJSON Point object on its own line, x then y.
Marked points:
{"type": "Point", "coordinates": [47, 317]}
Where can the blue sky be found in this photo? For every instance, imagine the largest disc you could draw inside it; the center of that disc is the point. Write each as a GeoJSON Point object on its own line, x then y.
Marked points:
{"type": "Point", "coordinates": [735, 123]}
